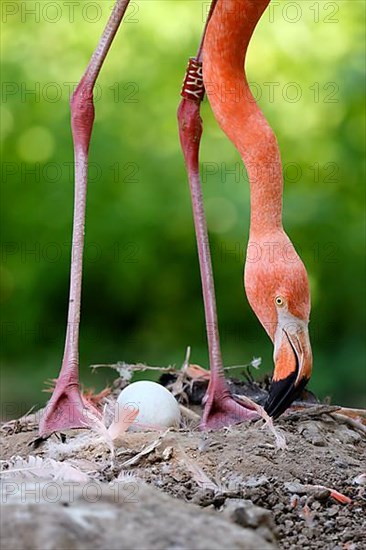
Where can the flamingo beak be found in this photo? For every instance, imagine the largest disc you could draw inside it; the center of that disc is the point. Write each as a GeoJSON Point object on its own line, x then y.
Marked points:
{"type": "Point", "coordinates": [293, 365]}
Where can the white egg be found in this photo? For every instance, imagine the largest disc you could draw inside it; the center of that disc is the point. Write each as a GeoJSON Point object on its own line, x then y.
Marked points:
{"type": "Point", "coordinates": [158, 409]}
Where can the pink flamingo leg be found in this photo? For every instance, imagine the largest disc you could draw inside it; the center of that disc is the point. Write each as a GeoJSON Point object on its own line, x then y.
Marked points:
{"type": "Point", "coordinates": [66, 408]}
{"type": "Point", "coordinates": [221, 409]}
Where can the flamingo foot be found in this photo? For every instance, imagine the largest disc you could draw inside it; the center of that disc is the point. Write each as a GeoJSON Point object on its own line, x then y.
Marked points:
{"type": "Point", "coordinates": [223, 410]}
{"type": "Point", "coordinates": [64, 411]}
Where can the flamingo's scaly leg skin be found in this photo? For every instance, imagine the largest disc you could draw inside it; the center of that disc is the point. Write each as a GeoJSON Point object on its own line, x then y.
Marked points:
{"type": "Point", "coordinates": [65, 409]}
{"type": "Point", "coordinates": [222, 409]}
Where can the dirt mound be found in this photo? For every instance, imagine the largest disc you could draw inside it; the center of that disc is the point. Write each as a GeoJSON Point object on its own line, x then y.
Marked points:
{"type": "Point", "coordinates": [310, 495]}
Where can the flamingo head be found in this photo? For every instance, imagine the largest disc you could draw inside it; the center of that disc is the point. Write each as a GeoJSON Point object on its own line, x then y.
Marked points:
{"type": "Point", "coordinates": [277, 288]}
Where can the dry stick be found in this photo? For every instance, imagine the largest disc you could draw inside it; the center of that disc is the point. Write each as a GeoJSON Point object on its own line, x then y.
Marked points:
{"type": "Point", "coordinates": [309, 409]}
{"type": "Point", "coordinates": [358, 412]}
{"type": "Point", "coordinates": [132, 366]}
{"type": "Point", "coordinates": [350, 421]}
{"type": "Point", "coordinates": [336, 412]}
{"type": "Point", "coordinates": [142, 367]}
{"type": "Point", "coordinates": [26, 418]}
{"type": "Point", "coordinates": [247, 366]}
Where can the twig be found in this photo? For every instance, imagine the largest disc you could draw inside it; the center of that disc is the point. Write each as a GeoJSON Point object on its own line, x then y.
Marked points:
{"type": "Point", "coordinates": [231, 367]}
{"type": "Point", "coordinates": [255, 363]}
{"type": "Point", "coordinates": [310, 410]}
{"type": "Point", "coordinates": [354, 412]}
{"type": "Point", "coordinates": [138, 367]}
{"type": "Point", "coordinates": [350, 421]}
{"type": "Point", "coordinates": [24, 420]}
{"type": "Point", "coordinates": [341, 414]}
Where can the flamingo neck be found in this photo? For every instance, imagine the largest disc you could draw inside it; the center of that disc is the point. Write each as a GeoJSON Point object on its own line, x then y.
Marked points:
{"type": "Point", "coordinates": [224, 51]}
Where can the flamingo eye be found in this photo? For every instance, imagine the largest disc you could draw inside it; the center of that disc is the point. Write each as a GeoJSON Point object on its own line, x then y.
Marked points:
{"type": "Point", "coordinates": [279, 301]}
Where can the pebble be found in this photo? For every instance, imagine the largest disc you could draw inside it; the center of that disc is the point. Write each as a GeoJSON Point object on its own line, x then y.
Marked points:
{"type": "Point", "coordinates": [345, 435]}
{"type": "Point", "coordinates": [289, 524]}
{"type": "Point", "coordinates": [302, 540]}
{"type": "Point", "coordinates": [312, 433]}
{"type": "Point", "coordinates": [246, 514]}
{"type": "Point", "coordinates": [360, 479]}
{"type": "Point", "coordinates": [308, 532]}
{"type": "Point", "coordinates": [333, 511]}
{"type": "Point", "coordinates": [271, 500]}
{"type": "Point", "coordinates": [266, 533]}
{"type": "Point", "coordinates": [204, 497]}
{"type": "Point", "coordinates": [167, 453]}
{"type": "Point", "coordinates": [322, 494]}
{"type": "Point", "coordinates": [347, 535]}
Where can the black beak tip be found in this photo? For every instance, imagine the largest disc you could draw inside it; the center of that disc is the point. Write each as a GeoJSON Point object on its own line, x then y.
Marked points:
{"type": "Point", "coordinates": [281, 395]}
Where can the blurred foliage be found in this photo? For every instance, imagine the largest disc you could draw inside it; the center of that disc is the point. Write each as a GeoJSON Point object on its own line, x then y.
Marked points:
{"type": "Point", "coordinates": [141, 292]}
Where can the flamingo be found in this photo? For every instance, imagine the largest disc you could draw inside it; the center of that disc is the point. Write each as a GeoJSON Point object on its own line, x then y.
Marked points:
{"type": "Point", "coordinates": [278, 292]}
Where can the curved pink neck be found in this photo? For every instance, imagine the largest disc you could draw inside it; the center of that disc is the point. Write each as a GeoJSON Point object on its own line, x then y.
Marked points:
{"type": "Point", "coordinates": [224, 51]}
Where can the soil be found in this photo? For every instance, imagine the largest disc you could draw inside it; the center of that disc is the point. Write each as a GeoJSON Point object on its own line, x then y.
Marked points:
{"type": "Point", "coordinates": [287, 497]}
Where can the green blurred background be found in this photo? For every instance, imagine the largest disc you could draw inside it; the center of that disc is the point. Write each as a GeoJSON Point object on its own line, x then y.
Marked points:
{"type": "Point", "coordinates": [141, 293]}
